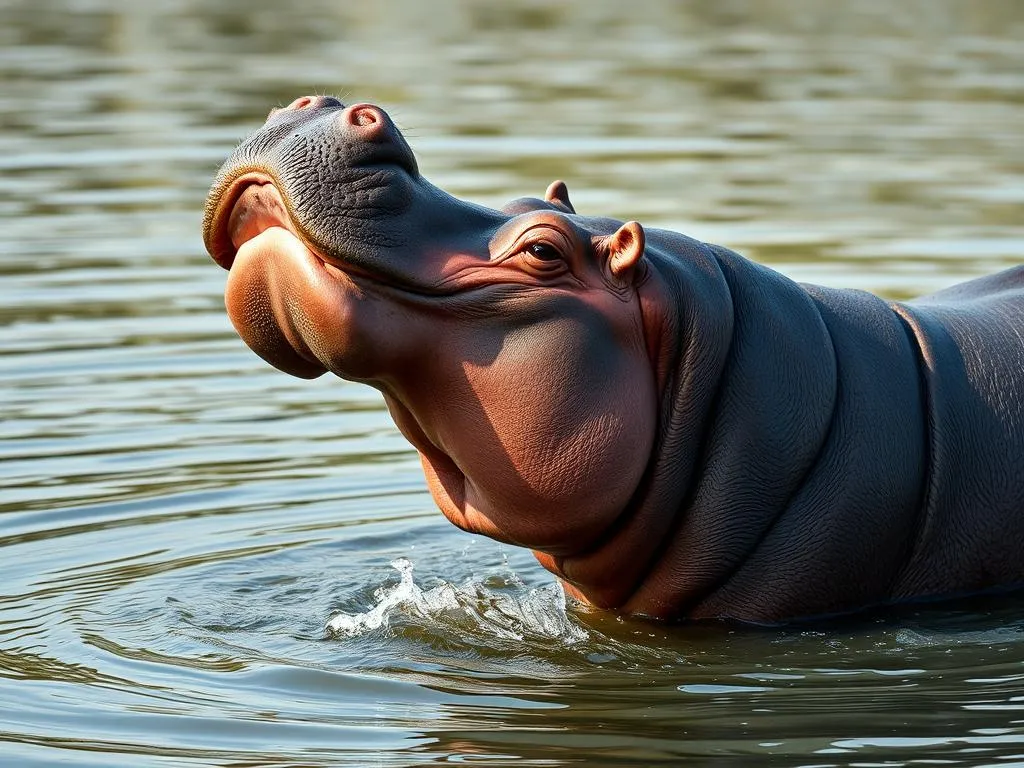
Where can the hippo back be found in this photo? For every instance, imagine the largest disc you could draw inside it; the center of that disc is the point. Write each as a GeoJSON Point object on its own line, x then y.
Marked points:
{"type": "Point", "coordinates": [971, 342]}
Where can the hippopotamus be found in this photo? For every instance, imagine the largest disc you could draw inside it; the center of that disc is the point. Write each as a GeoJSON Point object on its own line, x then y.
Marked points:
{"type": "Point", "coordinates": [675, 431]}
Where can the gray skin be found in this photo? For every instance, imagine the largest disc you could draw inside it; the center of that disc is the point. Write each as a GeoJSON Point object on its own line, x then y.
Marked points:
{"type": "Point", "coordinates": [675, 431]}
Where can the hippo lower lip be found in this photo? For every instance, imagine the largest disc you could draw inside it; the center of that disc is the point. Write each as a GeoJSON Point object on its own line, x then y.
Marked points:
{"type": "Point", "coordinates": [249, 206]}
{"type": "Point", "coordinates": [258, 208]}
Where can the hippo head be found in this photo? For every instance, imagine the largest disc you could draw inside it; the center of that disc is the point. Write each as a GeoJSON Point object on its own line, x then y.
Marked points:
{"type": "Point", "coordinates": [513, 348]}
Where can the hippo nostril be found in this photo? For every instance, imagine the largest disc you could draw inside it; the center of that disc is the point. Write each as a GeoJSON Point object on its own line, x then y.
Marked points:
{"type": "Point", "coordinates": [364, 116]}
{"type": "Point", "coordinates": [300, 103]}
{"type": "Point", "coordinates": [307, 102]}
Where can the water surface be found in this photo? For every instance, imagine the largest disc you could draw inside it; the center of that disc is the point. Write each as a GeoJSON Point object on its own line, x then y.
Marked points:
{"type": "Point", "coordinates": [180, 523]}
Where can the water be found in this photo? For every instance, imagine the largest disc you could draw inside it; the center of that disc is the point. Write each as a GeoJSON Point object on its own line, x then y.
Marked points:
{"type": "Point", "coordinates": [179, 523]}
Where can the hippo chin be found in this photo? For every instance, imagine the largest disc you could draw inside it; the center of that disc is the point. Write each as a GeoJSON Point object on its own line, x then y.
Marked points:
{"type": "Point", "coordinates": [674, 430]}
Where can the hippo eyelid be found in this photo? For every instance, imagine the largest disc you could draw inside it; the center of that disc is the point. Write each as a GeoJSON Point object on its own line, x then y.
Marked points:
{"type": "Point", "coordinates": [541, 234]}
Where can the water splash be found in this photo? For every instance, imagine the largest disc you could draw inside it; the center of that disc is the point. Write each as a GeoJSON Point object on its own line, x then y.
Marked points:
{"type": "Point", "coordinates": [473, 609]}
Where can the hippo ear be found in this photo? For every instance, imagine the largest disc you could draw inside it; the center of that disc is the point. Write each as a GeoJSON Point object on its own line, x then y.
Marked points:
{"type": "Point", "coordinates": [558, 194]}
{"type": "Point", "coordinates": [623, 251]}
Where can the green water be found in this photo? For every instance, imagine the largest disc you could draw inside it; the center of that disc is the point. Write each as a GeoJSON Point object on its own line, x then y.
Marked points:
{"type": "Point", "coordinates": [179, 522]}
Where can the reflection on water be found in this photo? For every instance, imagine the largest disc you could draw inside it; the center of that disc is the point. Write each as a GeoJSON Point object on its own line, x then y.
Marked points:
{"type": "Point", "coordinates": [179, 523]}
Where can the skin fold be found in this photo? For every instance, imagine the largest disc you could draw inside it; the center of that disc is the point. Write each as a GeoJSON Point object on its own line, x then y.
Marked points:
{"type": "Point", "coordinates": [675, 431]}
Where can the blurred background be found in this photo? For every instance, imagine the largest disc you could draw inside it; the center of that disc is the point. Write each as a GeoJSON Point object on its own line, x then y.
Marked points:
{"type": "Point", "coordinates": [178, 521]}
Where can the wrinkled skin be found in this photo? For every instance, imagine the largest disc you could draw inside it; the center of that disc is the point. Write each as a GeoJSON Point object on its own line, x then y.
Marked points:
{"type": "Point", "coordinates": [675, 431]}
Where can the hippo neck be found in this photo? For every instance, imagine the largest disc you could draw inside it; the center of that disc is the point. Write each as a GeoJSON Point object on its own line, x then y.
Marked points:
{"type": "Point", "coordinates": [737, 347]}
{"type": "Point", "coordinates": [771, 415]}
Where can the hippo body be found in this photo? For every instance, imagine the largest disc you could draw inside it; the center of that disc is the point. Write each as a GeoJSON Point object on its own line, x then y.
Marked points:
{"type": "Point", "coordinates": [677, 432]}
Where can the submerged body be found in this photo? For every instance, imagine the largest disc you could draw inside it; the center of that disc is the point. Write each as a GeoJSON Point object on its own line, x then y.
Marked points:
{"type": "Point", "coordinates": [674, 430]}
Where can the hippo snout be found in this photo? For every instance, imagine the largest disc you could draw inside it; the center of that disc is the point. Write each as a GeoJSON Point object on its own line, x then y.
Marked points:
{"type": "Point", "coordinates": [336, 176]}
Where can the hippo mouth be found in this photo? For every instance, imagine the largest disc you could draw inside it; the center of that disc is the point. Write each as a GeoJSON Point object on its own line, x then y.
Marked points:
{"type": "Point", "coordinates": [352, 160]}
{"type": "Point", "coordinates": [249, 206]}
{"type": "Point", "coordinates": [253, 204]}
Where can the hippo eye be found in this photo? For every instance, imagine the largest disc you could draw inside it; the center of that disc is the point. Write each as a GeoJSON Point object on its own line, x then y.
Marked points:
{"type": "Point", "coordinates": [544, 252]}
